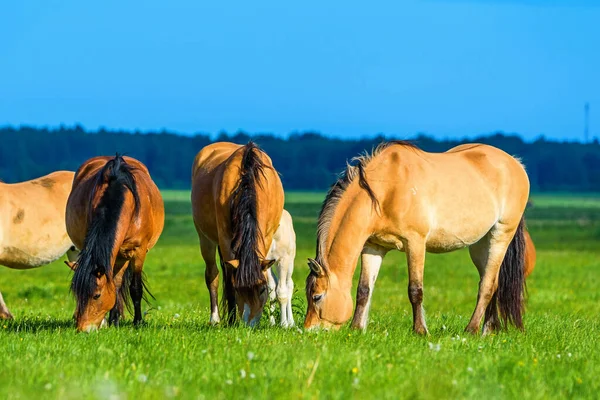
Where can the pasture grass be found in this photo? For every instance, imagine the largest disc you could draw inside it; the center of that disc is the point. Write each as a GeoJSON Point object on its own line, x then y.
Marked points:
{"type": "Point", "coordinates": [177, 354]}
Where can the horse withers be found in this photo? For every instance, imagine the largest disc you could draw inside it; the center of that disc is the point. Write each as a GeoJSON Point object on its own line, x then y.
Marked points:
{"type": "Point", "coordinates": [32, 224]}
{"type": "Point", "coordinates": [115, 214]}
{"type": "Point", "coordinates": [400, 197]}
{"type": "Point", "coordinates": [237, 202]}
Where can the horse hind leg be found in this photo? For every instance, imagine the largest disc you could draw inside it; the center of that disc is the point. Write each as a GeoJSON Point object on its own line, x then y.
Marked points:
{"type": "Point", "coordinates": [272, 283]}
{"type": "Point", "coordinates": [285, 290]}
{"type": "Point", "coordinates": [479, 255]}
{"type": "Point", "coordinates": [4, 312]}
{"type": "Point", "coordinates": [487, 255]}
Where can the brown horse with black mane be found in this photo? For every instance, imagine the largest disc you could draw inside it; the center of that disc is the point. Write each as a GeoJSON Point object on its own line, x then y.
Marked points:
{"type": "Point", "coordinates": [403, 198]}
{"type": "Point", "coordinates": [115, 214]}
{"type": "Point", "coordinates": [237, 202]}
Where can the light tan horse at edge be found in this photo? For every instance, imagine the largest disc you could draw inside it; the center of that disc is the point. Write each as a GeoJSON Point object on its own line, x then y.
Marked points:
{"type": "Point", "coordinates": [403, 198]}
{"type": "Point", "coordinates": [237, 202]}
{"type": "Point", "coordinates": [32, 224]}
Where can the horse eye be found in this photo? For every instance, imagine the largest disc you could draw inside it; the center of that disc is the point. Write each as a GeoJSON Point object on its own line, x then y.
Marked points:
{"type": "Point", "coordinates": [317, 297]}
{"type": "Point", "coordinates": [96, 296]}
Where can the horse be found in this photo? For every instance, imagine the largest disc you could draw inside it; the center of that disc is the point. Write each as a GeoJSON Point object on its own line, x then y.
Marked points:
{"type": "Point", "coordinates": [32, 224]}
{"type": "Point", "coordinates": [281, 285]}
{"type": "Point", "coordinates": [237, 202]}
{"type": "Point", "coordinates": [115, 215]}
{"type": "Point", "coordinates": [401, 197]}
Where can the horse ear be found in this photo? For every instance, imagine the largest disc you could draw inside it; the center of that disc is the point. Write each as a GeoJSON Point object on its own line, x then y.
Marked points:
{"type": "Point", "coordinates": [266, 264]}
{"type": "Point", "coordinates": [71, 264]}
{"type": "Point", "coordinates": [315, 267]}
{"type": "Point", "coordinates": [233, 263]}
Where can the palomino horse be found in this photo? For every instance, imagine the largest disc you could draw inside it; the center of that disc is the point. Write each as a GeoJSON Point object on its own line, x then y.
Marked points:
{"type": "Point", "coordinates": [281, 285]}
{"type": "Point", "coordinates": [237, 201]}
{"type": "Point", "coordinates": [115, 214]}
{"type": "Point", "coordinates": [403, 198]}
{"type": "Point", "coordinates": [32, 224]}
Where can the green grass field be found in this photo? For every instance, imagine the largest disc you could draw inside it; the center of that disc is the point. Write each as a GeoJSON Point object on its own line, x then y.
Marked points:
{"type": "Point", "coordinates": [179, 355]}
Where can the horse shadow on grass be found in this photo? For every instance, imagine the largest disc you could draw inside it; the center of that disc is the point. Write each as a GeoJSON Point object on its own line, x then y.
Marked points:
{"type": "Point", "coordinates": [36, 325]}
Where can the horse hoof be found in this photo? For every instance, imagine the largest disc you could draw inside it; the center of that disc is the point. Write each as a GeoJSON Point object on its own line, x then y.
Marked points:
{"type": "Point", "coordinates": [421, 331]}
{"type": "Point", "coordinates": [471, 330]}
{"type": "Point", "coordinates": [6, 315]}
{"type": "Point", "coordinates": [139, 323]}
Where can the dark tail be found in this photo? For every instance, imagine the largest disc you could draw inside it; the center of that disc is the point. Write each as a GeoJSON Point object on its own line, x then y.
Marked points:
{"type": "Point", "coordinates": [244, 223]}
{"type": "Point", "coordinates": [511, 281]}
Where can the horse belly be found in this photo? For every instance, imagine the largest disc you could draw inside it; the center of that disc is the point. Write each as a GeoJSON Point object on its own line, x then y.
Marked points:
{"type": "Point", "coordinates": [26, 248]}
{"type": "Point", "coordinates": [444, 242]}
{"type": "Point", "coordinates": [454, 236]}
{"type": "Point", "coordinates": [27, 258]}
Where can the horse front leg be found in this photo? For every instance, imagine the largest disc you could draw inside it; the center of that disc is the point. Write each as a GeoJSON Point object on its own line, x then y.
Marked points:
{"type": "Point", "coordinates": [371, 259]}
{"type": "Point", "coordinates": [415, 256]}
{"type": "Point", "coordinates": [114, 316]}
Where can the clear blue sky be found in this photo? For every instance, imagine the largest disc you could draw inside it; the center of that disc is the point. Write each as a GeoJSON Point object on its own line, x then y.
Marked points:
{"type": "Point", "coordinates": [344, 68]}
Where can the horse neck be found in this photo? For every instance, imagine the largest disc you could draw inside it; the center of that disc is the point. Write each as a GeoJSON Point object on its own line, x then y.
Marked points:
{"type": "Point", "coordinates": [349, 230]}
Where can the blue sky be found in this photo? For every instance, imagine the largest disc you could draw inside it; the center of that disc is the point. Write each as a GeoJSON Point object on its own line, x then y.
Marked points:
{"type": "Point", "coordinates": [344, 68]}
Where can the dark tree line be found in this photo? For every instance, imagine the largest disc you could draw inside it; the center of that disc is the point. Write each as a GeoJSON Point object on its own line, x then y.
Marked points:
{"type": "Point", "coordinates": [306, 161]}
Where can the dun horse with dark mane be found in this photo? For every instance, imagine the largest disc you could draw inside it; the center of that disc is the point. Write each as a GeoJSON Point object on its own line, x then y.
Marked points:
{"type": "Point", "coordinates": [403, 198]}
{"type": "Point", "coordinates": [32, 224]}
{"type": "Point", "coordinates": [115, 214]}
{"type": "Point", "coordinates": [237, 202]}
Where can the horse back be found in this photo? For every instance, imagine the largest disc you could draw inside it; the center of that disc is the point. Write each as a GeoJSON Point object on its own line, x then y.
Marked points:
{"type": "Point", "coordinates": [462, 193]}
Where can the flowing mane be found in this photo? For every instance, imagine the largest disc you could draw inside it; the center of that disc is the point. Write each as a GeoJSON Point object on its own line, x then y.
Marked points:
{"type": "Point", "coordinates": [354, 168]}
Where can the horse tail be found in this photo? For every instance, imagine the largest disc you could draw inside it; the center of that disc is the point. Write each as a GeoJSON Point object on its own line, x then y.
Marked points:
{"type": "Point", "coordinates": [244, 221]}
{"type": "Point", "coordinates": [511, 280]}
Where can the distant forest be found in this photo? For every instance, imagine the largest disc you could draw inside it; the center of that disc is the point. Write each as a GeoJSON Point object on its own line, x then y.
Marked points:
{"type": "Point", "coordinates": [306, 161]}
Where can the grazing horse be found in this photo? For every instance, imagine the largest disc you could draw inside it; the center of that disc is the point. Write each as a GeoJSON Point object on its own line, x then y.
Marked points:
{"type": "Point", "coordinates": [32, 224]}
{"type": "Point", "coordinates": [281, 285]}
{"type": "Point", "coordinates": [115, 214]}
{"type": "Point", "coordinates": [403, 198]}
{"type": "Point", "coordinates": [237, 201]}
